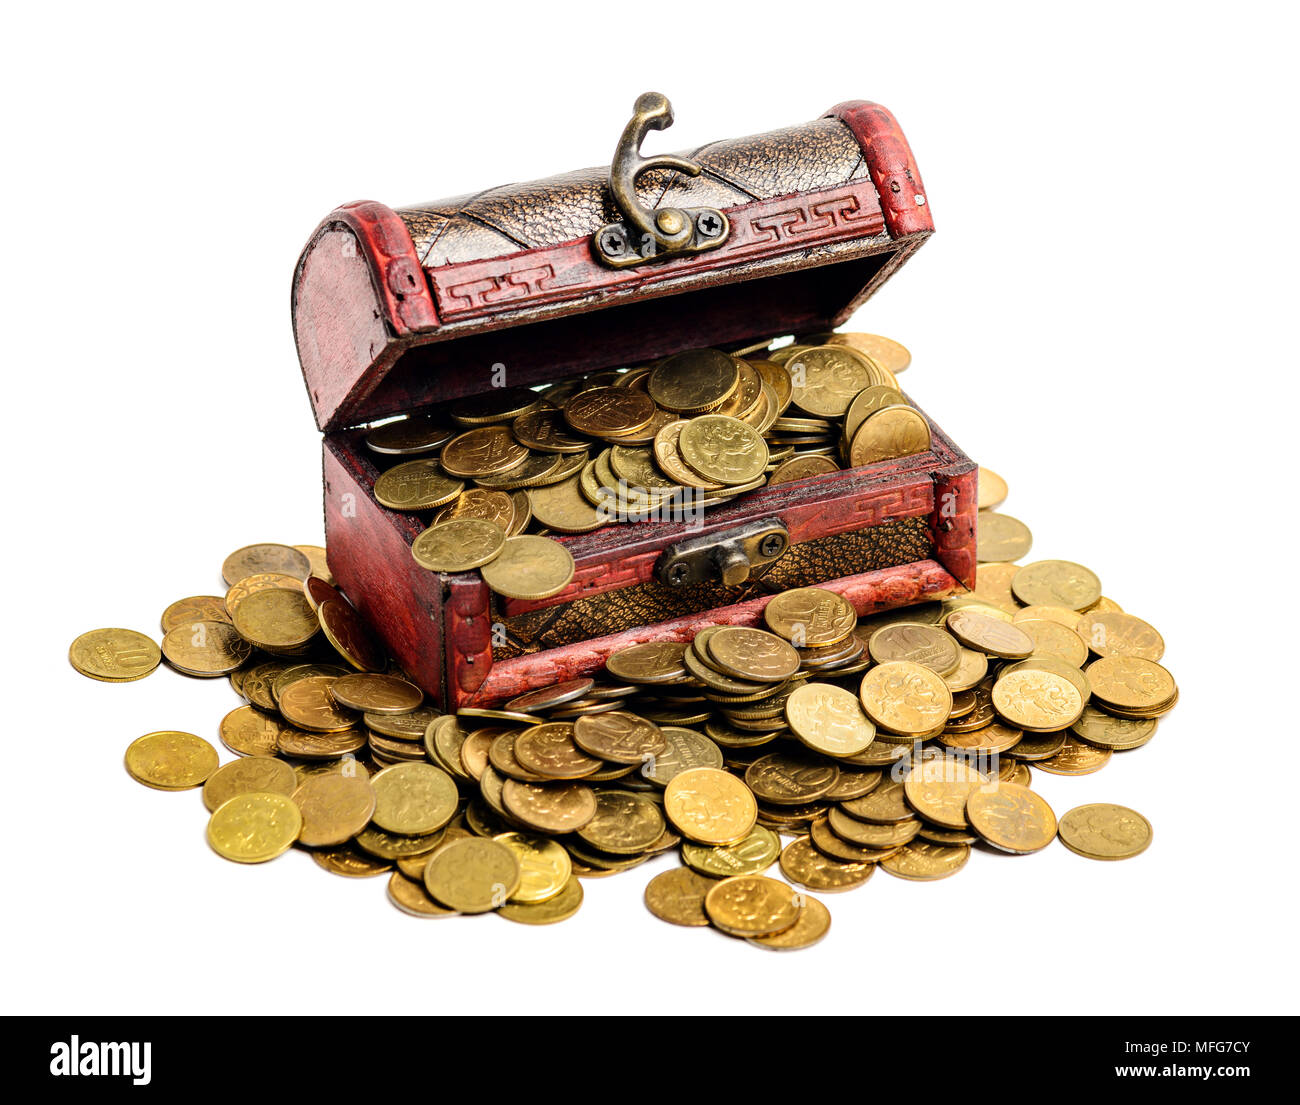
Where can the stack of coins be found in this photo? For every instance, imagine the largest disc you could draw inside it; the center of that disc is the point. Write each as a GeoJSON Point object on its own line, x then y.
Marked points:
{"type": "Point", "coordinates": [904, 740]}
{"type": "Point", "coordinates": [697, 428]}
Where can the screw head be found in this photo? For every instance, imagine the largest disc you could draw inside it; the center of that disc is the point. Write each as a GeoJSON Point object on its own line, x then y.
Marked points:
{"type": "Point", "coordinates": [772, 545]}
{"type": "Point", "coordinates": [678, 573]}
{"type": "Point", "coordinates": [614, 241]}
{"type": "Point", "coordinates": [708, 224]}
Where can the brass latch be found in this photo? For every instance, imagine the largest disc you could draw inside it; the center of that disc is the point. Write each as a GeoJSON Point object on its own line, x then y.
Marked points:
{"type": "Point", "coordinates": [646, 235]}
{"type": "Point", "coordinates": [728, 556]}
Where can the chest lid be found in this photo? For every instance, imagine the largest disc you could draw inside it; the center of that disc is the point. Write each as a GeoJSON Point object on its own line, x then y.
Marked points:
{"type": "Point", "coordinates": [740, 240]}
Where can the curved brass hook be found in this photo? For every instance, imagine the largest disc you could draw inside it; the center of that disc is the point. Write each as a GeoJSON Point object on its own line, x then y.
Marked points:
{"type": "Point", "coordinates": [668, 227]}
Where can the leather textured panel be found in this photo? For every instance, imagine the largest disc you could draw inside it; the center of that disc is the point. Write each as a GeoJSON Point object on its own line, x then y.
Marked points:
{"type": "Point", "coordinates": [816, 155]}
{"type": "Point", "coordinates": [805, 565]}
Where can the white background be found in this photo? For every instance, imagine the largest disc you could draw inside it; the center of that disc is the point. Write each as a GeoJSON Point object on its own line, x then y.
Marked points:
{"type": "Point", "coordinates": [1106, 317]}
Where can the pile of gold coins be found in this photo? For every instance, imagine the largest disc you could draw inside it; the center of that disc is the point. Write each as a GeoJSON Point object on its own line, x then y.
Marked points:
{"type": "Point", "coordinates": [900, 741]}
{"type": "Point", "coordinates": [695, 429]}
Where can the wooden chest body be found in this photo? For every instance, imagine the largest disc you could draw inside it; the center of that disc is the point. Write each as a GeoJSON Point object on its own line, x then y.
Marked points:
{"type": "Point", "coordinates": [400, 311]}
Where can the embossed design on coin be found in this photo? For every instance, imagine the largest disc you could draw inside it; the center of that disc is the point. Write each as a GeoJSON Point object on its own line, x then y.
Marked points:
{"type": "Point", "coordinates": [1012, 818]}
{"type": "Point", "coordinates": [752, 905]}
{"type": "Point", "coordinates": [169, 760]}
{"type": "Point", "coordinates": [114, 655]}
{"type": "Point", "coordinates": [710, 806]}
{"type": "Point", "coordinates": [1105, 831]}
{"type": "Point", "coordinates": [254, 828]}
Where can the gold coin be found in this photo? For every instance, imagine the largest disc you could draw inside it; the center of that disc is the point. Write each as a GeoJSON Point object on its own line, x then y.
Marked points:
{"type": "Point", "coordinates": [473, 875]}
{"type": "Point", "coordinates": [1075, 758]}
{"type": "Point", "coordinates": [905, 699]}
{"type": "Point", "coordinates": [938, 789]}
{"type": "Point", "coordinates": [752, 905]}
{"type": "Point", "coordinates": [677, 896]}
{"type": "Point", "coordinates": [609, 411]}
{"type": "Point", "coordinates": [693, 381]}
{"type": "Point", "coordinates": [308, 704]}
{"type": "Point", "coordinates": [304, 745]}
{"type": "Point", "coordinates": [206, 649]}
{"type": "Point", "coordinates": [825, 379]}
{"type": "Point", "coordinates": [251, 585]}
{"type": "Point", "coordinates": [922, 861]}
{"type": "Point", "coordinates": [891, 432]}
{"type": "Point", "coordinates": [1011, 818]}
{"type": "Point", "coordinates": [993, 585]}
{"type": "Point", "coordinates": [652, 662]}
{"type": "Point", "coordinates": [1055, 641]}
{"type": "Point", "coordinates": [1131, 683]}
{"type": "Point", "coordinates": [1059, 614]}
{"type": "Point", "coordinates": [686, 750]}
{"type": "Point", "coordinates": [198, 608]}
{"type": "Point", "coordinates": [751, 856]}
{"type": "Point", "coordinates": [884, 352]}
{"type": "Point", "coordinates": [999, 537]}
{"type": "Point", "coordinates": [829, 719]}
{"type": "Point", "coordinates": [254, 828]}
{"type": "Point", "coordinates": [751, 654]}
{"type": "Point", "coordinates": [394, 846]}
{"type": "Point", "coordinates": [350, 863]}
{"type": "Point", "coordinates": [276, 620]}
{"type": "Point", "coordinates": [169, 760]}
{"type": "Point", "coordinates": [624, 824]}
{"type": "Point", "coordinates": [549, 751]}
{"type": "Point", "coordinates": [549, 807]}
{"type": "Point", "coordinates": [544, 866]}
{"type": "Point", "coordinates": [788, 779]}
{"type": "Point", "coordinates": [1056, 667]}
{"type": "Point", "coordinates": [458, 546]}
{"type": "Point", "coordinates": [992, 740]}
{"type": "Point", "coordinates": [407, 436]}
{"type": "Point", "coordinates": [413, 798]}
{"type": "Point", "coordinates": [334, 808]}
{"type": "Point", "coordinates": [710, 806]}
{"type": "Point", "coordinates": [344, 629]}
{"type": "Point", "coordinates": [992, 489]}
{"type": "Point", "coordinates": [563, 507]}
{"type": "Point", "coordinates": [813, 925]}
{"type": "Point", "coordinates": [482, 451]}
{"type": "Point", "coordinates": [619, 737]}
{"type": "Point", "coordinates": [114, 655]}
{"type": "Point", "coordinates": [865, 834]}
{"type": "Point", "coordinates": [247, 731]}
{"type": "Point", "coordinates": [803, 864]}
{"type": "Point", "coordinates": [489, 506]}
{"type": "Point", "coordinates": [926, 645]}
{"type": "Point", "coordinates": [668, 456]}
{"type": "Point", "coordinates": [378, 694]}
{"type": "Point", "coordinates": [248, 775]}
{"type": "Point", "coordinates": [1116, 733]}
{"type": "Point", "coordinates": [500, 404]}
{"type": "Point", "coordinates": [972, 667]}
{"type": "Point", "coordinates": [989, 635]}
{"type": "Point", "coordinates": [411, 898]}
{"type": "Point", "coordinates": [318, 558]}
{"type": "Point", "coordinates": [1034, 746]}
{"type": "Point", "coordinates": [1102, 830]}
{"type": "Point", "coordinates": [546, 431]}
{"type": "Point", "coordinates": [723, 449]}
{"type": "Point", "coordinates": [1119, 634]}
{"type": "Point", "coordinates": [810, 617]}
{"type": "Point", "coordinates": [560, 908]}
{"type": "Point", "coordinates": [1056, 583]}
{"type": "Point", "coordinates": [866, 403]}
{"type": "Point", "coordinates": [417, 485]}
{"type": "Point", "coordinates": [801, 468]}
{"type": "Point", "coordinates": [1037, 701]}
{"type": "Point", "coordinates": [530, 568]}
{"type": "Point", "coordinates": [256, 559]}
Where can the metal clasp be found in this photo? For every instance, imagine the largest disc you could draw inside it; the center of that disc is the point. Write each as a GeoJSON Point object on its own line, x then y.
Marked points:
{"type": "Point", "coordinates": [644, 234]}
{"type": "Point", "coordinates": [728, 556]}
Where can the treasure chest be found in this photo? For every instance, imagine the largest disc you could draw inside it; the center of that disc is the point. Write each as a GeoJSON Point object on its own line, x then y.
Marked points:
{"type": "Point", "coordinates": [406, 311]}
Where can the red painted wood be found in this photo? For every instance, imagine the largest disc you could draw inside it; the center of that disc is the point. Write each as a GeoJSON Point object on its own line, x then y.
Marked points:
{"type": "Point", "coordinates": [892, 167]}
{"type": "Point", "coordinates": [469, 627]}
{"type": "Point", "coordinates": [869, 592]}
{"type": "Point", "coordinates": [359, 293]}
{"type": "Point", "coordinates": [370, 557]}
{"type": "Point", "coordinates": [953, 520]}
